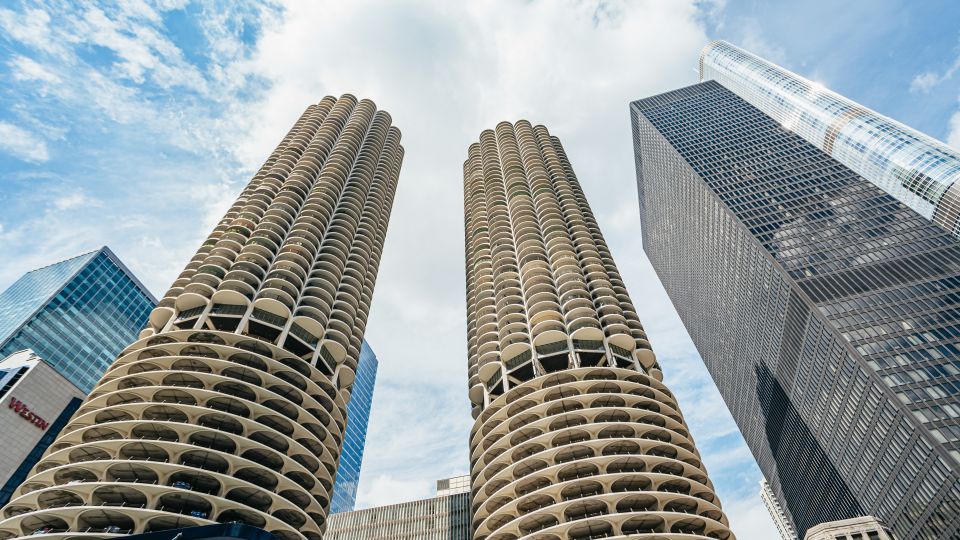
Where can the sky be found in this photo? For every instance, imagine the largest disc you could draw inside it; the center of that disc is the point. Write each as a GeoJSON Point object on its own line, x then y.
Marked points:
{"type": "Point", "coordinates": [135, 126]}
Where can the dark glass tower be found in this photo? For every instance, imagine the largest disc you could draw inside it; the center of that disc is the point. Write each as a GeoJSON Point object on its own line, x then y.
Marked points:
{"type": "Point", "coordinates": [355, 435]}
{"type": "Point", "coordinates": [77, 314]}
{"type": "Point", "coordinates": [826, 310]}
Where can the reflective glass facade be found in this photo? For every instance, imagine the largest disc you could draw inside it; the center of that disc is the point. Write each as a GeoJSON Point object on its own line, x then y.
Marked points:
{"type": "Point", "coordinates": [355, 435]}
{"type": "Point", "coordinates": [76, 314]}
{"type": "Point", "coordinates": [917, 169]}
{"type": "Point", "coordinates": [827, 312]}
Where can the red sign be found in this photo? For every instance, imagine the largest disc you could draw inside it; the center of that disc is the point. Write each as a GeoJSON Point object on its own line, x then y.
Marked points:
{"type": "Point", "coordinates": [21, 408]}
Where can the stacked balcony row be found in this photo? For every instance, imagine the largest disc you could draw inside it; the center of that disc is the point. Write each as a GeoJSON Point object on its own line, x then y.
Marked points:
{"type": "Point", "coordinates": [246, 431]}
{"type": "Point", "coordinates": [294, 261]}
{"type": "Point", "coordinates": [586, 453]}
{"type": "Point", "coordinates": [540, 278]}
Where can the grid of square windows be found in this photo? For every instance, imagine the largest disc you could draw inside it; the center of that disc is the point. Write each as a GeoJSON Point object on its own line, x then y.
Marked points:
{"type": "Point", "coordinates": [826, 311]}
{"type": "Point", "coordinates": [355, 435]}
{"type": "Point", "coordinates": [89, 315]}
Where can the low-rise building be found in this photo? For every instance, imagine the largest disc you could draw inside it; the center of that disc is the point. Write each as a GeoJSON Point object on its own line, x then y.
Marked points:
{"type": "Point", "coordinates": [444, 517]}
{"type": "Point", "coordinates": [860, 528]}
{"type": "Point", "coordinates": [36, 403]}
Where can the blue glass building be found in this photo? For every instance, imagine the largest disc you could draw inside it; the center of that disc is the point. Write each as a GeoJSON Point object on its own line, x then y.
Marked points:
{"type": "Point", "coordinates": [355, 438]}
{"type": "Point", "coordinates": [77, 314]}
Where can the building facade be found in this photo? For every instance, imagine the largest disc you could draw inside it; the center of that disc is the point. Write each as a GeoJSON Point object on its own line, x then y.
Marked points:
{"type": "Point", "coordinates": [825, 310]}
{"type": "Point", "coordinates": [76, 314]}
{"type": "Point", "coordinates": [222, 531]}
{"type": "Point", "coordinates": [918, 170]}
{"type": "Point", "coordinates": [777, 512]}
{"type": "Point", "coordinates": [575, 436]}
{"type": "Point", "coordinates": [35, 403]}
{"type": "Point", "coordinates": [860, 528]}
{"type": "Point", "coordinates": [444, 517]}
{"type": "Point", "coordinates": [355, 436]}
{"type": "Point", "coordinates": [231, 406]}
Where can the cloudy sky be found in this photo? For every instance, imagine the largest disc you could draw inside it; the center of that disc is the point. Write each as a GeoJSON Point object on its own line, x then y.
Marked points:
{"type": "Point", "coordinates": [136, 126]}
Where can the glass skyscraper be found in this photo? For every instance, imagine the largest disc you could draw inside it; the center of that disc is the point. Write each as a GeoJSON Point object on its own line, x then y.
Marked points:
{"type": "Point", "coordinates": [827, 311]}
{"type": "Point", "coordinates": [917, 169]}
{"type": "Point", "coordinates": [77, 314]}
{"type": "Point", "coordinates": [355, 435]}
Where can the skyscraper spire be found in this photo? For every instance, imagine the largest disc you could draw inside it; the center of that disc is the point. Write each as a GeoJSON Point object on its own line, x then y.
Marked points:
{"type": "Point", "coordinates": [575, 435]}
{"type": "Point", "coordinates": [231, 406]}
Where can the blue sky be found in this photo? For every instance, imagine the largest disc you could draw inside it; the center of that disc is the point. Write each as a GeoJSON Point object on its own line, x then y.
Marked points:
{"type": "Point", "coordinates": [136, 126]}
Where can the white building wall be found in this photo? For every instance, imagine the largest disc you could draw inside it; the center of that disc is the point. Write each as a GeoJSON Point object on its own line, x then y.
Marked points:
{"type": "Point", "coordinates": [861, 528]}
{"type": "Point", "coordinates": [45, 393]}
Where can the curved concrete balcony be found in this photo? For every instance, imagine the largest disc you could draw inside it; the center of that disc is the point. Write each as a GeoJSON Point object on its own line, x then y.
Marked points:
{"type": "Point", "coordinates": [575, 436]}
{"type": "Point", "coordinates": [606, 445]}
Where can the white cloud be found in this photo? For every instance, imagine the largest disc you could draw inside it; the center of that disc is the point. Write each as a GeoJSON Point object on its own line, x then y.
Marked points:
{"type": "Point", "coordinates": [27, 69]}
{"type": "Point", "coordinates": [928, 80]}
{"type": "Point", "coordinates": [31, 28]}
{"type": "Point", "coordinates": [750, 519]}
{"type": "Point", "coordinates": [22, 144]}
{"type": "Point", "coordinates": [953, 138]}
{"type": "Point", "coordinates": [924, 82]}
{"type": "Point", "coordinates": [76, 199]}
{"type": "Point", "coordinates": [385, 489]}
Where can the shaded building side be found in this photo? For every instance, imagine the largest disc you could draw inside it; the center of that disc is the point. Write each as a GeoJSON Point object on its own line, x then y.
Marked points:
{"type": "Point", "coordinates": [825, 310]}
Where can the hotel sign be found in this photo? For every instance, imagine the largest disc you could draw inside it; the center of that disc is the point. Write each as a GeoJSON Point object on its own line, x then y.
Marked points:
{"type": "Point", "coordinates": [21, 408]}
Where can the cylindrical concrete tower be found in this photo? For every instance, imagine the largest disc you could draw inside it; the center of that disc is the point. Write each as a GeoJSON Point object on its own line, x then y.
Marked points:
{"type": "Point", "coordinates": [231, 406]}
{"type": "Point", "coordinates": [575, 436]}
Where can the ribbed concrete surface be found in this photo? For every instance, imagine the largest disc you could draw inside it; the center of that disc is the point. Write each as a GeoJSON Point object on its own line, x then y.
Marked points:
{"type": "Point", "coordinates": [231, 406]}
{"type": "Point", "coordinates": [575, 435]}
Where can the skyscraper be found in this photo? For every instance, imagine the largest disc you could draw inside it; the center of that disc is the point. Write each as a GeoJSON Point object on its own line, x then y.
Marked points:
{"type": "Point", "coordinates": [575, 436]}
{"type": "Point", "coordinates": [918, 170]}
{"type": "Point", "coordinates": [75, 314]}
{"type": "Point", "coordinates": [825, 310]}
{"type": "Point", "coordinates": [776, 511]}
{"type": "Point", "coordinates": [355, 434]}
{"type": "Point", "coordinates": [231, 405]}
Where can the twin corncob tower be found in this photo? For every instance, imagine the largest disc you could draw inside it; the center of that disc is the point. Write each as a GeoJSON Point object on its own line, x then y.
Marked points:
{"type": "Point", "coordinates": [575, 436]}
{"type": "Point", "coordinates": [231, 405]}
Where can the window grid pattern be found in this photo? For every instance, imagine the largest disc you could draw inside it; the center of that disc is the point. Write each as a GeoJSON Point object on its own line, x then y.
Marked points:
{"type": "Point", "coordinates": [355, 435]}
{"type": "Point", "coordinates": [87, 309]}
{"type": "Point", "coordinates": [915, 168]}
{"type": "Point", "coordinates": [782, 264]}
{"type": "Point", "coordinates": [438, 518]}
{"type": "Point", "coordinates": [31, 292]}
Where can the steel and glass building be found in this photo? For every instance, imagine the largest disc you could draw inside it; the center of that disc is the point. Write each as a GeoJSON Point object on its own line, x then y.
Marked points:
{"type": "Point", "coordinates": [575, 437]}
{"type": "Point", "coordinates": [76, 314]}
{"type": "Point", "coordinates": [827, 311]}
{"type": "Point", "coordinates": [918, 170]}
{"type": "Point", "coordinates": [231, 406]}
{"type": "Point", "coordinates": [355, 436]}
{"type": "Point", "coordinates": [443, 517]}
